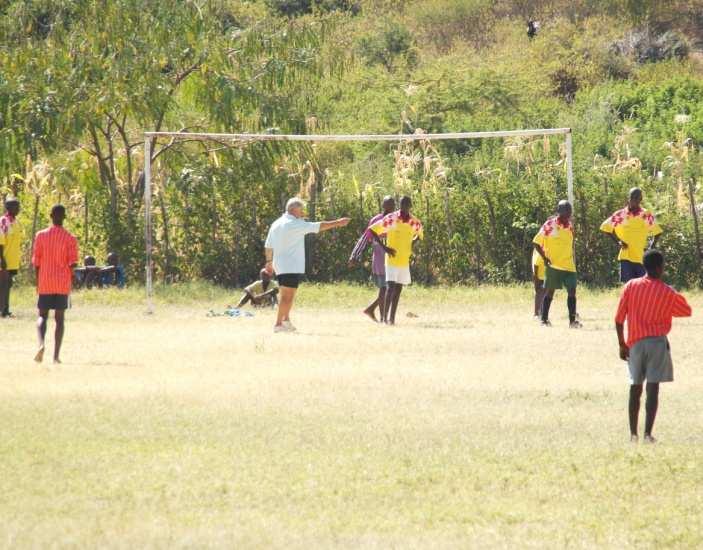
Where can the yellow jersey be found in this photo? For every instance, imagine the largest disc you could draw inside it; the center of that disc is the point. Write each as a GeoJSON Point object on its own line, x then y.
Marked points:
{"type": "Point", "coordinates": [400, 233]}
{"type": "Point", "coordinates": [11, 240]}
{"type": "Point", "coordinates": [632, 228]}
{"type": "Point", "coordinates": [557, 241]}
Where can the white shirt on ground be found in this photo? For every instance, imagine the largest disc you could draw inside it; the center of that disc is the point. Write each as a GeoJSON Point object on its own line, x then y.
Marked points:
{"type": "Point", "coordinates": [287, 239]}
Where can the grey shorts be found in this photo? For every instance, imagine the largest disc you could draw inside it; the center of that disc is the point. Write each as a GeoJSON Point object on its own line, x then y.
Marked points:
{"type": "Point", "coordinates": [379, 280]}
{"type": "Point", "coordinates": [650, 359]}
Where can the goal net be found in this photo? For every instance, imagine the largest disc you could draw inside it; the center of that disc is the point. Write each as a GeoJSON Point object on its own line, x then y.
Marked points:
{"type": "Point", "coordinates": [151, 138]}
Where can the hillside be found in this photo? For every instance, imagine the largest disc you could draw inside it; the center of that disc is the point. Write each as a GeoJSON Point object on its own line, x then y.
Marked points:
{"type": "Point", "coordinates": [81, 80]}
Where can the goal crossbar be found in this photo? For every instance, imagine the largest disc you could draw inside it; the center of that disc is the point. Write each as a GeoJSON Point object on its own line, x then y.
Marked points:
{"type": "Point", "coordinates": [195, 136]}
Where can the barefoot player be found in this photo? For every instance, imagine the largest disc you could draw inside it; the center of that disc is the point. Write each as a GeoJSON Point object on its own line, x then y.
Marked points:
{"type": "Point", "coordinates": [538, 280]}
{"type": "Point", "coordinates": [647, 305]}
{"type": "Point", "coordinates": [401, 229]}
{"type": "Point", "coordinates": [378, 259]}
{"type": "Point", "coordinates": [55, 255]}
{"type": "Point", "coordinates": [555, 244]}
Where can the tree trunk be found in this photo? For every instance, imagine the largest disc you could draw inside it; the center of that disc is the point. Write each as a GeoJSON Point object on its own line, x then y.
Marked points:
{"type": "Point", "coordinates": [694, 214]}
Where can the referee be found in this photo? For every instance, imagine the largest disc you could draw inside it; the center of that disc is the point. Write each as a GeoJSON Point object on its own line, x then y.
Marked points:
{"type": "Point", "coordinates": [285, 254]}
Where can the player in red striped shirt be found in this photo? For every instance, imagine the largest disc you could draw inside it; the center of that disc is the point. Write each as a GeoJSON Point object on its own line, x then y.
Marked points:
{"type": "Point", "coordinates": [54, 257]}
{"type": "Point", "coordinates": [648, 305]}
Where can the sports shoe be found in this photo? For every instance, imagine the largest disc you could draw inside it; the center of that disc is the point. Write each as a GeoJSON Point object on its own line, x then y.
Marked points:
{"type": "Point", "coordinates": [575, 324]}
{"type": "Point", "coordinates": [649, 439]}
{"type": "Point", "coordinates": [289, 326]}
{"type": "Point", "coordinates": [546, 323]}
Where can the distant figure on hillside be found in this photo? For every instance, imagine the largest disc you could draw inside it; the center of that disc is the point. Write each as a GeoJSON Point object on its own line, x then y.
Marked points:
{"type": "Point", "coordinates": [631, 228]}
{"type": "Point", "coordinates": [285, 254]}
{"type": "Point", "coordinates": [401, 229]}
{"type": "Point", "coordinates": [532, 28]}
{"type": "Point", "coordinates": [11, 235]}
{"type": "Point", "coordinates": [555, 244]}
{"type": "Point", "coordinates": [54, 258]}
{"type": "Point", "coordinates": [378, 259]}
{"type": "Point", "coordinates": [648, 305]}
{"type": "Point", "coordinates": [263, 292]}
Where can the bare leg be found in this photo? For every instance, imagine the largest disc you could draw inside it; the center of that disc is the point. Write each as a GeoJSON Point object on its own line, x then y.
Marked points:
{"type": "Point", "coordinates": [390, 292]}
{"type": "Point", "coordinates": [651, 407]}
{"type": "Point", "coordinates": [41, 333]}
{"type": "Point", "coordinates": [285, 304]}
{"type": "Point", "coordinates": [396, 299]}
{"type": "Point", "coordinates": [382, 292]}
{"type": "Point", "coordinates": [58, 334]}
{"type": "Point", "coordinates": [370, 309]}
{"type": "Point", "coordinates": [633, 408]}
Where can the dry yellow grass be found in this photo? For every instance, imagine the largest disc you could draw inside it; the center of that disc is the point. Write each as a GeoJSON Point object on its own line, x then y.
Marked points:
{"type": "Point", "coordinates": [469, 426]}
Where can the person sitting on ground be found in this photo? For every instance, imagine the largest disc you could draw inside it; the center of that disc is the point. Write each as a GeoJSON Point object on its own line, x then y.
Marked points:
{"type": "Point", "coordinates": [113, 274]}
{"type": "Point", "coordinates": [263, 292]}
{"type": "Point", "coordinates": [88, 275]}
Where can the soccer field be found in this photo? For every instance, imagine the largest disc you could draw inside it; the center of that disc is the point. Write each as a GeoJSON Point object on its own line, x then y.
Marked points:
{"type": "Point", "coordinates": [467, 426]}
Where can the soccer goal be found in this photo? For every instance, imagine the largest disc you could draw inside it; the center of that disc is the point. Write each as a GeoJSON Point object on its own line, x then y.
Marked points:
{"type": "Point", "coordinates": [400, 138]}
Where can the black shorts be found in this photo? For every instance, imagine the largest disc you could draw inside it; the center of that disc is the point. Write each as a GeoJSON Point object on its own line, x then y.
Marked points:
{"type": "Point", "coordinates": [53, 301]}
{"type": "Point", "coordinates": [289, 280]}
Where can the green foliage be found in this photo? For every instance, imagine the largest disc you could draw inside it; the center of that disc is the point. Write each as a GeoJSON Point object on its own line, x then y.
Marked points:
{"type": "Point", "coordinates": [387, 45]}
{"type": "Point", "coordinates": [82, 80]}
{"type": "Point", "coordinates": [296, 8]}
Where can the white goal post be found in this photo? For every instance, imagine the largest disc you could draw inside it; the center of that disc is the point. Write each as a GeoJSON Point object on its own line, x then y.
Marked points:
{"type": "Point", "coordinates": [191, 136]}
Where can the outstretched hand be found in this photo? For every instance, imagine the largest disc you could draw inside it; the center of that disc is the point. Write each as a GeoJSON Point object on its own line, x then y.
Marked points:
{"type": "Point", "coordinates": [341, 222]}
{"type": "Point", "coordinates": [390, 251]}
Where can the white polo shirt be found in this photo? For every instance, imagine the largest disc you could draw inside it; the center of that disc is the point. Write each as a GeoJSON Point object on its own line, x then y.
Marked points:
{"type": "Point", "coordinates": [287, 239]}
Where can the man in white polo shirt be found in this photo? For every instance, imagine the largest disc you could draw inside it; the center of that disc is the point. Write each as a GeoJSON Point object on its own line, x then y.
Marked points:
{"type": "Point", "coordinates": [285, 254]}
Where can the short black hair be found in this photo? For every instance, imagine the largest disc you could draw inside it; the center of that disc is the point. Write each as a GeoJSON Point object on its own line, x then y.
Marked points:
{"type": "Point", "coordinates": [11, 202]}
{"type": "Point", "coordinates": [58, 208]}
{"type": "Point", "coordinates": [405, 199]}
{"type": "Point", "coordinates": [653, 260]}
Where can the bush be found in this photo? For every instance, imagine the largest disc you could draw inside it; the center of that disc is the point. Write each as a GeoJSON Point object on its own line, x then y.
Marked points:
{"type": "Point", "coordinates": [386, 47]}
{"type": "Point", "coordinates": [295, 8]}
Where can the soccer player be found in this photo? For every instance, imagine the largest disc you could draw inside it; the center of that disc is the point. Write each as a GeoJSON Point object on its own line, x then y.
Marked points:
{"type": "Point", "coordinates": [378, 260]}
{"type": "Point", "coordinates": [648, 305]}
{"type": "Point", "coordinates": [55, 256]}
{"type": "Point", "coordinates": [538, 279]}
{"type": "Point", "coordinates": [285, 254]}
{"type": "Point", "coordinates": [555, 244]}
{"type": "Point", "coordinates": [10, 252]}
{"type": "Point", "coordinates": [630, 228]}
{"type": "Point", "coordinates": [401, 229]}
{"type": "Point", "coordinates": [261, 292]}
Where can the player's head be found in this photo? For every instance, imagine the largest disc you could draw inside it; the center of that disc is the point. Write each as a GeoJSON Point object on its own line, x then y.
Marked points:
{"type": "Point", "coordinates": [654, 263]}
{"type": "Point", "coordinates": [58, 214]}
{"type": "Point", "coordinates": [89, 261]}
{"type": "Point", "coordinates": [388, 204]}
{"type": "Point", "coordinates": [295, 207]}
{"type": "Point", "coordinates": [113, 259]}
{"type": "Point", "coordinates": [634, 198]}
{"type": "Point", "coordinates": [406, 204]}
{"type": "Point", "coordinates": [12, 206]}
{"type": "Point", "coordinates": [564, 210]}
{"type": "Point", "coordinates": [265, 275]}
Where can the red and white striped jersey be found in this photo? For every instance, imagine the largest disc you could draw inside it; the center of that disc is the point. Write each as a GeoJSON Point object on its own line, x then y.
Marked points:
{"type": "Point", "coordinates": [55, 251]}
{"type": "Point", "coordinates": [648, 305]}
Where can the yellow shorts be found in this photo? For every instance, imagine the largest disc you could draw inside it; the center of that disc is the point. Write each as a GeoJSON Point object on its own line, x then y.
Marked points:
{"type": "Point", "coordinates": [538, 271]}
